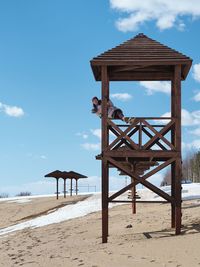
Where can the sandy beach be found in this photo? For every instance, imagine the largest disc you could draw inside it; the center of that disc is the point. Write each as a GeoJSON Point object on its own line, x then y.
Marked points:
{"type": "Point", "coordinates": [23, 209]}
{"type": "Point", "coordinates": [77, 242]}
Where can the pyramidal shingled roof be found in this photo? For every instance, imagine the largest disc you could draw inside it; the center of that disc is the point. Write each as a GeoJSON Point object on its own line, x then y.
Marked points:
{"type": "Point", "coordinates": [141, 50]}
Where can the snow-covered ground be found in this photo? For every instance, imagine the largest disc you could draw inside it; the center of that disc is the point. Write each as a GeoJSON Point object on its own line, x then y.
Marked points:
{"type": "Point", "coordinates": [20, 198]}
{"type": "Point", "coordinates": [89, 205]}
{"type": "Point", "coordinates": [189, 191]}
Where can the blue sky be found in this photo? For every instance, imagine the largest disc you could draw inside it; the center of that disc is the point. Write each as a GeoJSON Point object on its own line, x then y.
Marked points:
{"type": "Point", "coordinates": [46, 83]}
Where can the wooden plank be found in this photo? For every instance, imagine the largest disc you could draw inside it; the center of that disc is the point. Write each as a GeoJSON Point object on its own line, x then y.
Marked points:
{"type": "Point", "coordinates": [138, 77]}
{"type": "Point", "coordinates": [164, 62]}
{"type": "Point", "coordinates": [146, 118]}
{"type": "Point", "coordinates": [142, 154]}
{"type": "Point", "coordinates": [129, 56]}
{"type": "Point", "coordinates": [138, 201]}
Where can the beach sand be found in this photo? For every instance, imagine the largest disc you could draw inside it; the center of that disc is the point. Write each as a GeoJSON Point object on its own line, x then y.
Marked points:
{"type": "Point", "coordinates": [77, 242]}
{"type": "Point", "coordinates": [23, 209]}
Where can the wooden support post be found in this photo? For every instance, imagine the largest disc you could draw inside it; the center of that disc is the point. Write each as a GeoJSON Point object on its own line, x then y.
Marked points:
{"type": "Point", "coordinates": [57, 188]}
{"type": "Point", "coordinates": [133, 197]}
{"type": "Point", "coordinates": [76, 186]}
{"type": "Point", "coordinates": [177, 168]}
{"type": "Point", "coordinates": [178, 175]}
{"type": "Point", "coordinates": [173, 194]}
{"type": "Point", "coordinates": [105, 143]}
{"type": "Point", "coordinates": [64, 188]}
{"type": "Point", "coordinates": [173, 115]}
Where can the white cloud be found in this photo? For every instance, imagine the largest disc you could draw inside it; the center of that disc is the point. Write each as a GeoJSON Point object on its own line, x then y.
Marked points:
{"type": "Point", "coordinates": [96, 132]}
{"type": "Point", "coordinates": [156, 86]}
{"type": "Point", "coordinates": [43, 157]}
{"type": "Point", "coordinates": [35, 156]}
{"type": "Point", "coordinates": [91, 146]}
{"type": "Point", "coordinates": [122, 96]}
{"type": "Point", "coordinates": [11, 111]}
{"type": "Point", "coordinates": [181, 26]}
{"type": "Point", "coordinates": [190, 118]}
{"type": "Point", "coordinates": [196, 72]}
{"type": "Point", "coordinates": [196, 132]}
{"type": "Point", "coordinates": [187, 118]}
{"type": "Point", "coordinates": [197, 97]}
{"type": "Point", "coordinates": [166, 14]}
{"type": "Point", "coordinates": [192, 145]}
{"type": "Point", "coordinates": [83, 135]}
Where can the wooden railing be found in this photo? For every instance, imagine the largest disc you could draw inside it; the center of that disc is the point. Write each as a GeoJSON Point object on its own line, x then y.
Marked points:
{"type": "Point", "coordinates": [154, 133]}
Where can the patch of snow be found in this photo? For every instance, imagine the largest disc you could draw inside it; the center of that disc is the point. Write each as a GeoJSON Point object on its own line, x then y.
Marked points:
{"type": "Point", "coordinates": [79, 209]}
{"type": "Point", "coordinates": [189, 191]}
{"type": "Point", "coordinates": [24, 200]}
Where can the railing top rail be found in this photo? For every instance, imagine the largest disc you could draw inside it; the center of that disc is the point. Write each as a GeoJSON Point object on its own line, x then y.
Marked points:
{"type": "Point", "coordinates": [143, 126]}
{"type": "Point", "coordinates": [149, 118]}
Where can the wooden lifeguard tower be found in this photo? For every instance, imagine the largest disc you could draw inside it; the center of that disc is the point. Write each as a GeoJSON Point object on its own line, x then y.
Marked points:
{"type": "Point", "coordinates": [147, 145]}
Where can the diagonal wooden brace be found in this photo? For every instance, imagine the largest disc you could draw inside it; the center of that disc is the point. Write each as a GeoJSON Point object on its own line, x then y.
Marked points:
{"type": "Point", "coordinates": [151, 136]}
{"type": "Point", "coordinates": [122, 135]}
{"type": "Point", "coordinates": [159, 135]}
{"type": "Point", "coordinates": [139, 180]}
{"type": "Point", "coordinates": [123, 141]}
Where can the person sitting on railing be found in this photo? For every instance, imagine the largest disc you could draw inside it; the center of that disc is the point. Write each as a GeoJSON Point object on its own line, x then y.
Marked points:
{"type": "Point", "coordinates": [113, 112]}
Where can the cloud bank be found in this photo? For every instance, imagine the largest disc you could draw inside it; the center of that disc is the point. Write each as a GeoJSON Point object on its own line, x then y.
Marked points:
{"type": "Point", "coordinates": [156, 86]}
{"type": "Point", "coordinates": [196, 72]}
{"type": "Point", "coordinates": [187, 118]}
{"type": "Point", "coordinates": [166, 14]}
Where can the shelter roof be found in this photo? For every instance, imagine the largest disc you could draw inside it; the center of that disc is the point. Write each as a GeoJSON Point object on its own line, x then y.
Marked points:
{"type": "Point", "coordinates": [141, 58]}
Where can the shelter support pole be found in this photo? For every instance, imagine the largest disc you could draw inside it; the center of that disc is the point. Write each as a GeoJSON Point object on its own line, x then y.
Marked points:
{"type": "Point", "coordinates": [64, 188]}
{"type": "Point", "coordinates": [177, 166]}
{"type": "Point", "coordinates": [71, 187]}
{"type": "Point", "coordinates": [104, 144]}
{"type": "Point", "coordinates": [57, 188]}
{"type": "Point", "coordinates": [76, 186]}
